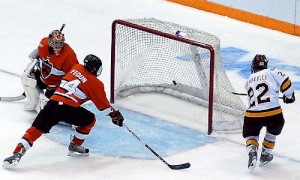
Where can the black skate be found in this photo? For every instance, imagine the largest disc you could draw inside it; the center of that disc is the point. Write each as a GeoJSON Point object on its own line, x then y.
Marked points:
{"type": "Point", "coordinates": [14, 159]}
{"type": "Point", "coordinates": [265, 158]}
{"type": "Point", "coordinates": [77, 151]}
{"type": "Point", "coordinates": [252, 158]}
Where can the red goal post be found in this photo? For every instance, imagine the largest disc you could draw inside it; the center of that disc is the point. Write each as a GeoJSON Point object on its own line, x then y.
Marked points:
{"type": "Point", "coordinates": [144, 54]}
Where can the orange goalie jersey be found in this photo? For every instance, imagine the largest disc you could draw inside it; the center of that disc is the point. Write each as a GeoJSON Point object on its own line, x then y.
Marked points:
{"type": "Point", "coordinates": [54, 67]}
{"type": "Point", "coordinates": [78, 86]}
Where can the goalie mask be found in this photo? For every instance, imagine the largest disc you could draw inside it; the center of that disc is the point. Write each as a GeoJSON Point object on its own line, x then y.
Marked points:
{"type": "Point", "coordinates": [93, 64]}
{"type": "Point", "coordinates": [259, 62]}
{"type": "Point", "coordinates": [56, 41]}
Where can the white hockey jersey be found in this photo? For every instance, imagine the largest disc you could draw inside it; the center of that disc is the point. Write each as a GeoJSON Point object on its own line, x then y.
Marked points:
{"type": "Point", "coordinates": [263, 89]}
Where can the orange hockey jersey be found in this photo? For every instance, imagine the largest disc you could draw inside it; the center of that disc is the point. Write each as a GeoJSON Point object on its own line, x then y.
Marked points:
{"type": "Point", "coordinates": [54, 67]}
{"type": "Point", "coordinates": [78, 86]}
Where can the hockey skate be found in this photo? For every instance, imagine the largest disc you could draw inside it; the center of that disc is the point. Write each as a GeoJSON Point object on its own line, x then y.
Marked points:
{"type": "Point", "coordinates": [14, 159]}
{"type": "Point", "coordinates": [252, 158]}
{"type": "Point", "coordinates": [265, 158]}
{"type": "Point", "coordinates": [77, 151]}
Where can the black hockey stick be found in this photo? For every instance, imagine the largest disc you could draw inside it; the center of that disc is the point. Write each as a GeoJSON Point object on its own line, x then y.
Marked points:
{"type": "Point", "coordinates": [174, 167]}
{"type": "Point", "coordinates": [14, 98]}
{"type": "Point", "coordinates": [241, 94]}
{"type": "Point", "coordinates": [62, 27]}
{"type": "Point", "coordinates": [244, 94]}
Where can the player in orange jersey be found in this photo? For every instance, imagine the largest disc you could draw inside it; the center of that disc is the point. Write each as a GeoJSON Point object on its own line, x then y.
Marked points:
{"type": "Point", "coordinates": [50, 62]}
{"type": "Point", "coordinates": [78, 86]}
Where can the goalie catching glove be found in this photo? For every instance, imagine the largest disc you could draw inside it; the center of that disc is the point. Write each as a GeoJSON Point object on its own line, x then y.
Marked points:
{"type": "Point", "coordinates": [289, 100]}
{"type": "Point", "coordinates": [116, 117]}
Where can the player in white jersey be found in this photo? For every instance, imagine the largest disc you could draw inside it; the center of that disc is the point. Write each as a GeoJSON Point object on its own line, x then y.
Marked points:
{"type": "Point", "coordinates": [263, 87]}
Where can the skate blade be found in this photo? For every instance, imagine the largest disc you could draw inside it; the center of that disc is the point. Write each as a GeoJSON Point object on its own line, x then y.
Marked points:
{"type": "Point", "coordinates": [76, 154]}
{"type": "Point", "coordinates": [251, 167]}
{"type": "Point", "coordinates": [8, 164]}
{"type": "Point", "coordinates": [263, 163]}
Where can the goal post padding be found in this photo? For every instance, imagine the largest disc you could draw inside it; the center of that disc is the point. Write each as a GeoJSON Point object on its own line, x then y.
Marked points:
{"type": "Point", "coordinates": [147, 55]}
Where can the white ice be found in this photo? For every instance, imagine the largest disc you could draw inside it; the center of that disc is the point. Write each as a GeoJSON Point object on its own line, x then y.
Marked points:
{"type": "Point", "coordinates": [88, 30]}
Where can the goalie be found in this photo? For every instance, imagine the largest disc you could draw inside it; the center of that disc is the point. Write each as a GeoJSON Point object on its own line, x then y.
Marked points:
{"type": "Point", "coordinates": [49, 63]}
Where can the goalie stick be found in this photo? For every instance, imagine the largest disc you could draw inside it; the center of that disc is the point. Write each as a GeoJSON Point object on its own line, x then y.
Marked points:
{"type": "Point", "coordinates": [13, 98]}
{"type": "Point", "coordinates": [22, 96]}
{"type": "Point", "coordinates": [173, 167]}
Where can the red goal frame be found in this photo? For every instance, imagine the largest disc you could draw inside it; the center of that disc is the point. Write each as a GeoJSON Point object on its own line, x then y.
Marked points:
{"type": "Point", "coordinates": [170, 36]}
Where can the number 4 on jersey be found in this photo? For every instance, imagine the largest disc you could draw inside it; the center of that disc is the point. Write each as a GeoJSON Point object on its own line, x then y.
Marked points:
{"type": "Point", "coordinates": [70, 86]}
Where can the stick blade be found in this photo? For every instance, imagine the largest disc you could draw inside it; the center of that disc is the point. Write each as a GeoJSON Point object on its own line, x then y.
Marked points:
{"type": "Point", "coordinates": [180, 166]}
{"type": "Point", "coordinates": [14, 98]}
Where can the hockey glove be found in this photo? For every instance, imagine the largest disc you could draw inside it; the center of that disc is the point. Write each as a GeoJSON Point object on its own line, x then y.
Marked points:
{"type": "Point", "coordinates": [117, 118]}
{"type": "Point", "coordinates": [289, 100]}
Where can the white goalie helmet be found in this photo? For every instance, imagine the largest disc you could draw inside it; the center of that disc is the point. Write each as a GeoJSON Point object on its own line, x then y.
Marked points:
{"type": "Point", "coordinates": [56, 40]}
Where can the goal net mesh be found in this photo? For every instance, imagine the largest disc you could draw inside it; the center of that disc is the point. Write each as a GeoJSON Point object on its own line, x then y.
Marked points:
{"type": "Point", "coordinates": [146, 59]}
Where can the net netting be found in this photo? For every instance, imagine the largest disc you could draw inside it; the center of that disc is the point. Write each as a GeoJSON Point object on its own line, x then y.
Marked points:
{"type": "Point", "coordinates": [153, 62]}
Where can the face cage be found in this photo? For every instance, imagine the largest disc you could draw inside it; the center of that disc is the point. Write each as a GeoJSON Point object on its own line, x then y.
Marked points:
{"type": "Point", "coordinates": [56, 43]}
{"type": "Point", "coordinates": [99, 71]}
{"type": "Point", "coordinates": [255, 68]}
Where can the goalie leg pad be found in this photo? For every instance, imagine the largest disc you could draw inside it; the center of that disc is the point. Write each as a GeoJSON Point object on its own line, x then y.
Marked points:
{"type": "Point", "coordinates": [30, 87]}
{"type": "Point", "coordinates": [32, 93]}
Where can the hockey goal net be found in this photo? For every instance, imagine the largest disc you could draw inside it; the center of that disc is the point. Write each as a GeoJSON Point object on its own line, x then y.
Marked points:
{"type": "Point", "coordinates": [149, 55]}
